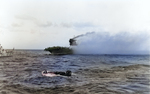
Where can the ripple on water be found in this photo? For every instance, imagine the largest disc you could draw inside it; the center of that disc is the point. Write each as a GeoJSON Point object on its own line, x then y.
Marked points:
{"type": "Point", "coordinates": [48, 81]}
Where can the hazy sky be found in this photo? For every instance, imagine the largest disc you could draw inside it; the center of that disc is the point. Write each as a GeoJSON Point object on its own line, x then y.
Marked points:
{"type": "Point", "coordinates": [37, 24]}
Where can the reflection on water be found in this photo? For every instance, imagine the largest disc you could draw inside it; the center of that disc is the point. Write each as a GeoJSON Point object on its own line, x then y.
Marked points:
{"type": "Point", "coordinates": [95, 73]}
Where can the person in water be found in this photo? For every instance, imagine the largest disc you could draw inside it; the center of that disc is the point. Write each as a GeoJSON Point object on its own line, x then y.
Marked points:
{"type": "Point", "coordinates": [67, 73]}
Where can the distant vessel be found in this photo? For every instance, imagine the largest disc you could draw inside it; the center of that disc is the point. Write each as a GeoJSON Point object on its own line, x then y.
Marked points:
{"type": "Point", "coordinates": [4, 52]}
{"type": "Point", "coordinates": [57, 50]}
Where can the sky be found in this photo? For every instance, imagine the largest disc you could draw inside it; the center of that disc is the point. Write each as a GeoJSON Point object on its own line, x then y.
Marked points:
{"type": "Point", "coordinates": [37, 24]}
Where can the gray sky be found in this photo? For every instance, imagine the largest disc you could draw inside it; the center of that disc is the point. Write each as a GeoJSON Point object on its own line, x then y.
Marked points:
{"type": "Point", "coordinates": [37, 24]}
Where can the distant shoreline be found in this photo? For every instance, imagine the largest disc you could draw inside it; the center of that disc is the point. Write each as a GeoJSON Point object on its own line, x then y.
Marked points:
{"type": "Point", "coordinates": [87, 54]}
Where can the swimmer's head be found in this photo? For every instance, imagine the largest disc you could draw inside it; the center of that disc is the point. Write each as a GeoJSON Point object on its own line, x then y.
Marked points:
{"type": "Point", "coordinates": [68, 73]}
{"type": "Point", "coordinates": [45, 71]}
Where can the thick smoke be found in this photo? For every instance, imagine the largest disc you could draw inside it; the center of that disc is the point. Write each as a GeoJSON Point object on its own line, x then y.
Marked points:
{"type": "Point", "coordinates": [121, 43]}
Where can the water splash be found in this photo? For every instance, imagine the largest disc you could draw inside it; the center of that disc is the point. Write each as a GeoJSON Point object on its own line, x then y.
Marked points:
{"type": "Point", "coordinates": [120, 43]}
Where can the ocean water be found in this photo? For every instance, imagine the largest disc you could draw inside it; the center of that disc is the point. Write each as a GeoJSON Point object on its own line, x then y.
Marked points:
{"type": "Point", "coordinates": [25, 66]}
{"type": "Point", "coordinates": [75, 62]}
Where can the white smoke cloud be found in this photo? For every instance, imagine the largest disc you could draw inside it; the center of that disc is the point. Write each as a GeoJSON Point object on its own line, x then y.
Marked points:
{"type": "Point", "coordinates": [120, 43]}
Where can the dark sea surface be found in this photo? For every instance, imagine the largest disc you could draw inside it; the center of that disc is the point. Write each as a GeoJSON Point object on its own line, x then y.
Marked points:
{"type": "Point", "coordinates": [110, 74]}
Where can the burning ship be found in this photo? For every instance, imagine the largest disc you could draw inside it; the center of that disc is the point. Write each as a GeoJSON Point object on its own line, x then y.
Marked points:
{"type": "Point", "coordinates": [57, 50]}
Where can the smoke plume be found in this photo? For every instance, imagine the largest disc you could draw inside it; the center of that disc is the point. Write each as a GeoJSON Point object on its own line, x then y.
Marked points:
{"type": "Point", "coordinates": [105, 43]}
